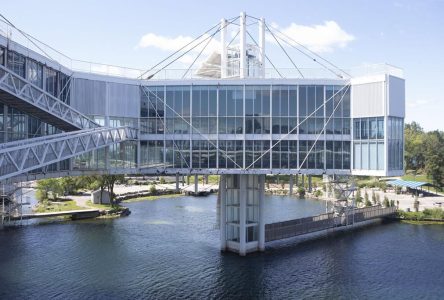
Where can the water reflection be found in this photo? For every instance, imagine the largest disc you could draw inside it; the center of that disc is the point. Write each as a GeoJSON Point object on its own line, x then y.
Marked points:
{"type": "Point", "coordinates": [169, 248]}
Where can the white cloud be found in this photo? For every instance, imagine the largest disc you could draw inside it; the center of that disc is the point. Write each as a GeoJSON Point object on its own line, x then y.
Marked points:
{"type": "Point", "coordinates": [418, 102]}
{"type": "Point", "coordinates": [171, 44]}
{"type": "Point", "coordinates": [319, 38]}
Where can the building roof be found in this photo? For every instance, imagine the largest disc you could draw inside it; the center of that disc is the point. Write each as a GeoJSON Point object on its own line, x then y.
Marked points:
{"type": "Point", "coordinates": [406, 183]}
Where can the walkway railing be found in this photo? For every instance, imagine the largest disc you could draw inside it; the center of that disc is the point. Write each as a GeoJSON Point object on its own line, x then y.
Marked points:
{"type": "Point", "coordinates": [26, 155]}
{"type": "Point", "coordinates": [22, 94]}
{"type": "Point", "coordinates": [292, 228]}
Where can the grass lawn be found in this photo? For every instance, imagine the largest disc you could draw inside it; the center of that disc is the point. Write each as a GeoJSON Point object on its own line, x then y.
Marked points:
{"type": "Point", "coordinates": [99, 206]}
{"type": "Point", "coordinates": [59, 206]}
{"type": "Point", "coordinates": [150, 198]}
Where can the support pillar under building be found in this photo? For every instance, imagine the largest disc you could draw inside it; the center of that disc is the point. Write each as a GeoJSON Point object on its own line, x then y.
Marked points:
{"type": "Point", "coordinates": [309, 184]}
{"type": "Point", "coordinates": [290, 185]}
{"type": "Point", "coordinates": [177, 183]}
{"type": "Point", "coordinates": [196, 184]}
{"type": "Point", "coordinates": [242, 225]}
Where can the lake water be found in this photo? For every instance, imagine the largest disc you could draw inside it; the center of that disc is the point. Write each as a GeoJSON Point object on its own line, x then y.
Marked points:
{"type": "Point", "coordinates": [169, 249]}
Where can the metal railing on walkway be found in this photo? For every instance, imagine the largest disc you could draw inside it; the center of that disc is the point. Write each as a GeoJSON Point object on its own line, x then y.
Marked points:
{"type": "Point", "coordinates": [292, 228]}
{"type": "Point", "coordinates": [26, 155]}
{"type": "Point", "coordinates": [27, 97]}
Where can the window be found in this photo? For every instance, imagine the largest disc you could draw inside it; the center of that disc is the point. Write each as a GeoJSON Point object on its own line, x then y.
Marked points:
{"type": "Point", "coordinates": [16, 63]}
{"type": "Point", "coordinates": [35, 73]}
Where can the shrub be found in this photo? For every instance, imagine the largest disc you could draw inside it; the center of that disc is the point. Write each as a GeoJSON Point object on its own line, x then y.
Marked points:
{"type": "Point", "coordinates": [434, 213]}
{"type": "Point", "coordinates": [392, 203]}
{"type": "Point", "coordinates": [358, 196]}
{"type": "Point", "coordinates": [366, 198]}
{"type": "Point", "coordinates": [386, 202]}
{"type": "Point", "coordinates": [318, 193]}
{"type": "Point", "coordinates": [162, 180]}
{"type": "Point", "coordinates": [368, 203]}
{"type": "Point", "coordinates": [301, 192]}
{"type": "Point", "coordinates": [153, 189]}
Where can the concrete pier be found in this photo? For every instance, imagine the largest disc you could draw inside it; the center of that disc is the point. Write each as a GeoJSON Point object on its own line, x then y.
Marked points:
{"type": "Point", "coordinates": [309, 184]}
{"type": "Point", "coordinates": [242, 224]}
{"type": "Point", "coordinates": [177, 183]}
{"type": "Point", "coordinates": [196, 184]}
{"type": "Point", "coordinates": [291, 185]}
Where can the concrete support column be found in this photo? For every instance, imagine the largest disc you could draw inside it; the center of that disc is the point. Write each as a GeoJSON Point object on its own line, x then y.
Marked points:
{"type": "Point", "coordinates": [303, 180]}
{"type": "Point", "coordinates": [297, 179]}
{"type": "Point", "coordinates": [290, 187]}
{"type": "Point", "coordinates": [309, 184]}
{"type": "Point", "coordinates": [177, 183]}
{"type": "Point", "coordinates": [196, 184]}
{"type": "Point", "coordinates": [242, 214]}
{"type": "Point", "coordinates": [206, 179]}
{"type": "Point", "coordinates": [188, 179]}
{"type": "Point", "coordinates": [183, 180]}
{"type": "Point", "coordinates": [261, 238]}
{"type": "Point", "coordinates": [223, 212]}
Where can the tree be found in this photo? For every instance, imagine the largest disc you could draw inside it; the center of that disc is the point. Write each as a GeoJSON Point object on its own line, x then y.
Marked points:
{"type": "Point", "coordinates": [414, 147]}
{"type": "Point", "coordinates": [48, 187]}
{"type": "Point", "coordinates": [358, 196]}
{"type": "Point", "coordinates": [110, 181]}
{"type": "Point", "coordinates": [69, 184]}
{"type": "Point", "coordinates": [434, 157]}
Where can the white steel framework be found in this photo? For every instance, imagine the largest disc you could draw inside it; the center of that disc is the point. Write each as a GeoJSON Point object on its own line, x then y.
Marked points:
{"type": "Point", "coordinates": [22, 94]}
{"type": "Point", "coordinates": [26, 155]}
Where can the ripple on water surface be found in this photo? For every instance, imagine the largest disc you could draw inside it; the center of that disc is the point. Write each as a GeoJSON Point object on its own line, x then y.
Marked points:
{"type": "Point", "coordinates": [169, 249]}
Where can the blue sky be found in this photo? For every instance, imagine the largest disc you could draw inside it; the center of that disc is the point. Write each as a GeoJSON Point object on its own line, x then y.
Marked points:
{"type": "Point", "coordinates": [408, 34]}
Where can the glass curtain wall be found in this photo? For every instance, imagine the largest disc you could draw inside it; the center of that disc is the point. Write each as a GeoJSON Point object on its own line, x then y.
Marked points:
{"type": "Point", "coordinates": [244, 122]}
{"type": "Point", "coordinates": [368, 136]}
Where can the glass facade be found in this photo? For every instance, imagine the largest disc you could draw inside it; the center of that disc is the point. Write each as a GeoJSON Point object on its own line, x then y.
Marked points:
{"type": "Point", "coordinates": [234, 127]}
{"type": "Point", "coordinates": [395, 138]}
{"type": "Point", "coordinates": [368, 145]}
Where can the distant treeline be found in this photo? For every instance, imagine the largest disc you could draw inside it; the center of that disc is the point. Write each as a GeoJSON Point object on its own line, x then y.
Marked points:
{"type": "Point", "coordinates": [424, 152]}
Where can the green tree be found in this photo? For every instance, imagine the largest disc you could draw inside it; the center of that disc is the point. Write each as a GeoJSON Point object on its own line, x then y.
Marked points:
{"type": "Point", "coordinates": [47, 188]}
{"type": "Point", "coordinates": [110, 180]}
{"type": "Point", "coordinates": [434, 157]}
{"type": "Point", "coordinates": [414, 147]}
{"type": "Point", "coordinates": [358, 196]}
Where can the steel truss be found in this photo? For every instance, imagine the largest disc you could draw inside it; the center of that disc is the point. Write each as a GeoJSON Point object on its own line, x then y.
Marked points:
{"type": "Point", "coordinates": [26, 155]}
{"type": "Point", "coordinates": [25, 96]}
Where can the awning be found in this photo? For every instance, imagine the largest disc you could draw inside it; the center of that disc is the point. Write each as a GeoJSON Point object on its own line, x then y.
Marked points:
{"type": "Point", "coordinates": [406, 183]}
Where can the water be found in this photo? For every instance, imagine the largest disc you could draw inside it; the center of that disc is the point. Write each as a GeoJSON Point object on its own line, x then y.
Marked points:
{"type": "Point", "coordinates": [169, 249]}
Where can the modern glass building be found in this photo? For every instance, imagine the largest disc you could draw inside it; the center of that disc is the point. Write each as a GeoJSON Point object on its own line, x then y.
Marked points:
{"type": "Point", "coordinates": [232, 116]}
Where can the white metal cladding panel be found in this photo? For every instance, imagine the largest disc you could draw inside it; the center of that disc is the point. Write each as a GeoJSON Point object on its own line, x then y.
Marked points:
{"type": "Point", "coordinates": [89, 96]}
{"type": "Point", "coordinates": [396, 99]}
{"type": "Point", "coordinates": [123, 100]}
{"type": "Point", "coordinates": [367, 100]}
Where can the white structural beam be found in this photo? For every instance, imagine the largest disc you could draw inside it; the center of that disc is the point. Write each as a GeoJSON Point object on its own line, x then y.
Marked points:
{"type": "Point", "coordinates": [243, 46]}
{"type": "Point", "coordinates": [223, 50]}
{"type": "Point", "coordinates": [27, 97]}
{"type": "Point", "coordinates": [26, 155]}
{"type": "Point", "coordinates": [262, 47]}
